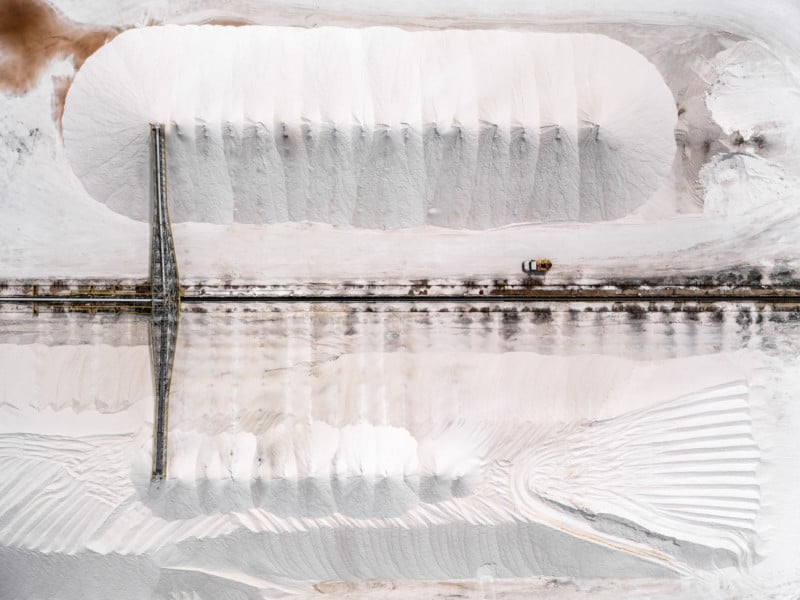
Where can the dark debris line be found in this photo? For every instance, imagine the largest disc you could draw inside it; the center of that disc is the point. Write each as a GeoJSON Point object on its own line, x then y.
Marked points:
{"type": "Point", "coordinates": [583, 296]}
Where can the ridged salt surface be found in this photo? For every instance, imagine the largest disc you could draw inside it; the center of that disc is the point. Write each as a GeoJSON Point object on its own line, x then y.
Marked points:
{"type": "Point", "coordinates": [373, 127]}
{"type": "Point", "coordinates": [308, 436]}
{"type": "Point", "coordinates": [406, 389]}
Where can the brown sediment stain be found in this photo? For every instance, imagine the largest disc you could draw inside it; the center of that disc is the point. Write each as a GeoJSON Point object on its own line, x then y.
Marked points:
{"type": "Point", "coordinates": [60, 88]}
{"type": "Point", "coordinates": [32, 34]}
{"type": "Point", "coordinates": [350, 587]}
{"type": "Point", "coordinates": [227, 22]}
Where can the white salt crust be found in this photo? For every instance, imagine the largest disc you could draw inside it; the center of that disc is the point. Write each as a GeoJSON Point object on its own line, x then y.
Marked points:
{"type": "Point", "coordinates": [376, 127]}
{"type": "Point", "coordinates": [302, 455]}
{"type": "Point", "coordinates": [661, 437]}
{"type": "Point", "coordinates": [52, 227]}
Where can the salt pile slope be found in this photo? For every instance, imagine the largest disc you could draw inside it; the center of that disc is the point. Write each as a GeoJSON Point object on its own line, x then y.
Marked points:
{"type": "Point", "coordinates": [375, 127]}
{"type": "Point", "coordinates": [686, 469]}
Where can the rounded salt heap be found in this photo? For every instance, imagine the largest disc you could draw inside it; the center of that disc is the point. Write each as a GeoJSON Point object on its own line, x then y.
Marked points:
{"type": "Point", "coordinates": [374, 127]}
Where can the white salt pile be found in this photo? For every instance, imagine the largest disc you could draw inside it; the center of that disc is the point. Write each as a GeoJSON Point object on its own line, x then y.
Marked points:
{"type": "Point", "coordinates": [375, 127]}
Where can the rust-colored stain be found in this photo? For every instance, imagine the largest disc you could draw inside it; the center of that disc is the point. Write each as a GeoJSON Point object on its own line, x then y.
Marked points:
{"type": "Point", "coordinates": [227, 22]}
{"type": "Point", "coordinates": [60, 89]}
{"type": "Point", "coordinates": [32, 34]}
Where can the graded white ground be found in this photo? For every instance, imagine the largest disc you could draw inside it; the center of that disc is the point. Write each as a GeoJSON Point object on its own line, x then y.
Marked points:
{"type": "Point", "coordinates": [403, 450]}
{"type": "Point", "coordinates": [732, 73]}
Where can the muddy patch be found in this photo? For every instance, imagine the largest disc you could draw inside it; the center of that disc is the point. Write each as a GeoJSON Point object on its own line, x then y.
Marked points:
{"type": "Point", "coordinates": [32, 34]}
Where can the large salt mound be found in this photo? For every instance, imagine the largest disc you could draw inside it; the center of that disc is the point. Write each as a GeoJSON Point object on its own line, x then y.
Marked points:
{"type": "Point", "coordinates": [376, 127]}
